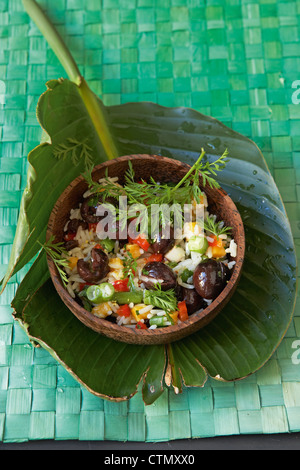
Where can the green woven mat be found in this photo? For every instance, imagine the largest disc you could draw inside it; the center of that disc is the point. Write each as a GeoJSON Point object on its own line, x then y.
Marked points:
{"type": "Point", "coordinates": [236, 60]}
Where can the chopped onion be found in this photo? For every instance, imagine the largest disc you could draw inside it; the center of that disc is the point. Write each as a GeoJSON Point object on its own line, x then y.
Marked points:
{"type": "Point", "coordinates": [184, 284]}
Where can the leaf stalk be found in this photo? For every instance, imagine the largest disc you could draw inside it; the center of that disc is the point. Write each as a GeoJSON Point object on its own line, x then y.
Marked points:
{"type": "Point", "coordinates": [54, 39]}
{"type": "Point", "coordinates": [66, 59]}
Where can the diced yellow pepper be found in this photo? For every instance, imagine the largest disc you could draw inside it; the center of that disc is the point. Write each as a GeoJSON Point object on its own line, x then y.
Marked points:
{"type": "Point", "coordinates": [116, 274]}
{"type": "Point", "coordinates": [135, 312]}
{"type": "Point", "coordinates": [218, 251]}
{"type": "Point", "coordinates": [192, 226]}
{"type": "Point", "coordinates": [134, 250]}
{"type": "Point", "coordinates": [115, 263]}
{"type": "Point", "coordinates": [174, 316]}
{"type": "Point", "coordinates": [102, 310]}
{"type": "Point", "coordinates": [72, 262]}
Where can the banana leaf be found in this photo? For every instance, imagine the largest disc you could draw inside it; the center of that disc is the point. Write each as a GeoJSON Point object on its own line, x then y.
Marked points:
{"type": "Point", "coordinates": [77, 132]}
{"type": "Point", "coordinates": [71, 142]}
{"type": "Point", "coordinates": [107, 368]}
{"type": "Point", "coordinates": [252, 325]}
{"type": "Point", "coordinates": [246, 333]}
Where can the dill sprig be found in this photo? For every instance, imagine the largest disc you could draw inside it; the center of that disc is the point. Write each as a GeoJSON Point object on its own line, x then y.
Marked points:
{"type": "Point", "coordinates": [165, 300]}
{"type": "Point", "coordinates": [209, 170]}
{"type": "Point", "coordinates": [129, 269]}
{"type": "Point", "coordinates": [57, 252]}
{"type": "Point", "coordinates": [76, 150]}
{"type": "Point", "coordinates": [152, 193]}
{"type": "Point", "coordinates": [214, 227]}
{"type": "Point", "coordinates": [107, 189]}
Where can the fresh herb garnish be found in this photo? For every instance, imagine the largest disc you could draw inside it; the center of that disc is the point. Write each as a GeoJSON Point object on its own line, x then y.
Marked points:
{"type": "Point", "coordinates": [216, 228]}
{"type": "Point", "coordinates": [152, 192]}
{"type": "Point", "coordinates": [172, 264]}
{"type": "Point", "coordinates": [129, 269]}
{"type": "Point", "coordinates": [76, 150]}
{"type": "Point", "coordinates": [186, 275]}
{"type": "Point", "coordinates": [153, 195]}
{"type": "Point", "coordinates": [107, 188]}
{"type": "Point", "coordinates": [209, 170]}
{"type": "Point", "coordinates": [165, 300]}
{"type": "Point", "coordinates": [57, 252]}
{"type": "Point", "coordinates": [108, 244]}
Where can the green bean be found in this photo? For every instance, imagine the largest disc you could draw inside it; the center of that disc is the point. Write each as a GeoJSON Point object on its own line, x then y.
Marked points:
{"type": "Point", "coordinates": [123, 298]}
{"type": "Point", "coordinates": [158, 321]}
{"type": "Point", "coordinates": [98, 294]}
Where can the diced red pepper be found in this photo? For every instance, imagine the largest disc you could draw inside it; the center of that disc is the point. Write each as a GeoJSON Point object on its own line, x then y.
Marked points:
{"type": "Point", "coordinates": [98, 247]}
{"type": "Point", "coordinates": [93, 227]}
{"type": "Point", "coordinates": [142, 242]}
{"type": "Point", "coordinates": [122, 285]}
{"type": "Point", "coordinates": [141, 326]}
{"type": "Point", "coordinates": [158, 257]}
{"type": "Point", "coordinates": [69, 236]}
{"type": "Point", "coordinates": [124, 311]}
{"type": "Point", "coordinates": [182, 311]}
{"type": "Point", "coordinates": [217, 241]}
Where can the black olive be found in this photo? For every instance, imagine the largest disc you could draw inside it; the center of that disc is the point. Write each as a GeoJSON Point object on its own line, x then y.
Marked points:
{"type": "Point", "coordinates": [94, 271]}
{"type": "Point", "coordinates": [161, 244]}
{"type": "Point", "coordinates": [210, 278]}
{"type": "Point", "coordinates": [156, 271]}
{"type": "Point", "coordinates": [111, 319]}
{"type": "Point", "coordinates": [70, 244]}
{"type": "Point", "coordinates": [74, 224]}
{"type": "Point", "coordinates": [89, 208]}
{"type": "Point", "coordinates": [193, 300]}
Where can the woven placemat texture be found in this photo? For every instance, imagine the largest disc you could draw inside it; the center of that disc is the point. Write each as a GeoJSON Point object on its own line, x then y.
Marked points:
{"type": "Point", "coordinates": [236, 60]}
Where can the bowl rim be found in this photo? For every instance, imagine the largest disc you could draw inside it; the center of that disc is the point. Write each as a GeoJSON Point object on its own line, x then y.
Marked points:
{"type": "Point", "coordinates": [157, 332]}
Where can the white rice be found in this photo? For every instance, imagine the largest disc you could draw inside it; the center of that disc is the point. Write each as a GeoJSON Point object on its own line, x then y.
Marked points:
{"type": "Point", "coordinates": [70, 290]}
{"type": "Point", "coordinates": [75, 214]}
{"type": "Point", "coordinates": [113, 306]}
{"type": "Point", "coordinates": [145, 309]}
{"type": "Point", "coordinates": [86, 251]}
{"type": "Point", "coordinates": [75, 278]}
{"type": "Point", "coordinates": [232, 250]}
{"type": "Point", "coordinates": [159, 313]}
{"type": "Point", "coordinates": [120, 321]}
{"type": "Point", "coordinates": [111, 179]}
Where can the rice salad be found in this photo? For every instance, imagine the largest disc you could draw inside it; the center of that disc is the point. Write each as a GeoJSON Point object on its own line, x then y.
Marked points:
{"type": "Point", "coordinates": [145, 283]}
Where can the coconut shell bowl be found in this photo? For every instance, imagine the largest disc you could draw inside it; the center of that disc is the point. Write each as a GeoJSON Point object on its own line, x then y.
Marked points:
{"type": "Point", "coordinates": [164, 170]}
